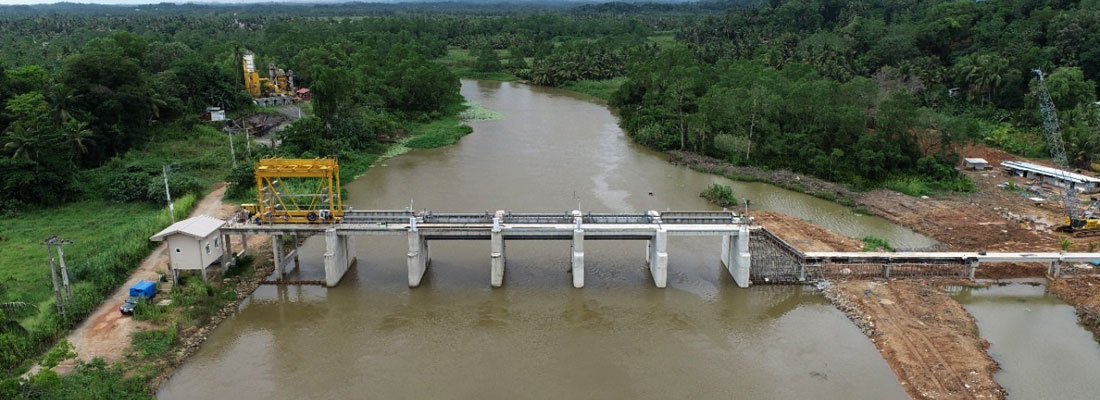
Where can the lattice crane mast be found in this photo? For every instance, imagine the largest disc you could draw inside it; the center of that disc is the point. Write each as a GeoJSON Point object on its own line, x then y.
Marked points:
{"type": "Point", "coordinates": [1077, 220]}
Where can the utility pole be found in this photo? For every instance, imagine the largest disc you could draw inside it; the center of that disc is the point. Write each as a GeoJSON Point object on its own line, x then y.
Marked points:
{"type": "Point", "coordinates": [168, 194]}
{"type": "Point", "coordinates": [63, 292]}
{"type": "Point", "coordinates": [232, 152]}
{"type": "Point", "coordinates": [248, 144]}
{"type": "Point", "coordinates": [64, 271]}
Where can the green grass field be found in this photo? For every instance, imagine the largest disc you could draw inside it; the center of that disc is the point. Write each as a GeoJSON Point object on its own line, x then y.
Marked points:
{"type": "Point", "coordinates": [602, 89]}
{"type": "Point", "coordinates": [461, 63]}
{"type": "Point", "coordinates": [108, 237]}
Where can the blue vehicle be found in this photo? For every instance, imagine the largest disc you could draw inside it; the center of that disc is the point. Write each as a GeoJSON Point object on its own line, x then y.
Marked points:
{"type": "Point", "coordinates": [141, 291]}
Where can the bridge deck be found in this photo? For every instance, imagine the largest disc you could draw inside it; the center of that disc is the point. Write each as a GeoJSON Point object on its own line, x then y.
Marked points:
{"type": "Point", "coordinates": [934, 257]}
{"type": "Point", "coordinates": [513, 226]}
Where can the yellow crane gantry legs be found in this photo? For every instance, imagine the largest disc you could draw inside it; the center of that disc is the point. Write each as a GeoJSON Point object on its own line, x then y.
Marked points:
{"type": "Point", "coordinates": [311, 196]}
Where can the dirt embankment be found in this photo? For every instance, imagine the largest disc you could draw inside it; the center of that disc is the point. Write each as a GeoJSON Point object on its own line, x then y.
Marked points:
{"type": "Point", "coordinates": [803, 235]}
{"type": "Point", "coordinates": [927, 338]}
{"type": "Point", "coordinates": [1083, 292]}
{"type": "Point", "coordinates": [991, 219]}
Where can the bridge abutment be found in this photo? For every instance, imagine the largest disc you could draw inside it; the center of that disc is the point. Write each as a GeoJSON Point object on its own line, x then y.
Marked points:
{"type": "Point", "coordinates": [339, 256]}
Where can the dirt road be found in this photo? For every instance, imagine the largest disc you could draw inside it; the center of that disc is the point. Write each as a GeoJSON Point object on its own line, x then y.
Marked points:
{"type": "Point", "coordinates": [106, 332]}
{"type": "Point", "coordinates": [928, 338]}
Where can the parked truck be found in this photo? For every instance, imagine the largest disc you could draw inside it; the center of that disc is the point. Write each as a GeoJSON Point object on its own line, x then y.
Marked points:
{"type": "Point", "coordinates": [141, 291]}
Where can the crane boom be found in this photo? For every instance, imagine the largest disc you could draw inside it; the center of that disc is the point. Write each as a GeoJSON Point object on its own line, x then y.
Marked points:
{"type": "Point", "coordinates": [1057, 147]}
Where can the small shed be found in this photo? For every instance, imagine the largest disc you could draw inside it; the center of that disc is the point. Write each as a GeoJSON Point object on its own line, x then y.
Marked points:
{"type": "Point", "coordinates": [975, 163]}
{"type": "Point", "coordinates": [193, 244]}
{"type": "Point", "coordinates": [304, 94]}
{"type": "Point", "coordinates": [214, 114]}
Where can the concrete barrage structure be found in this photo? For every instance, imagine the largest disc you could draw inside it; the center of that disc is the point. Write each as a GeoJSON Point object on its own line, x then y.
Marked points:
{"type": "Point", "coordinates": [499, 227]}
{"type": "Point", "coordinates": [750, 253]}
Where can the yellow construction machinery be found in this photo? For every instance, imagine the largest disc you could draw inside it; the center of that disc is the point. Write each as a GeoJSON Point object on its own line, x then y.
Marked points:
{"type": "Point", "coordinates": [297, 191]}
{"type": "Point", "coordinates": [278, 82]}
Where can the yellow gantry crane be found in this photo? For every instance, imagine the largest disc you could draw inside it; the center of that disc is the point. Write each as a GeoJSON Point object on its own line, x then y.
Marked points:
{"type": "Point", "coordinates": [297, 191]}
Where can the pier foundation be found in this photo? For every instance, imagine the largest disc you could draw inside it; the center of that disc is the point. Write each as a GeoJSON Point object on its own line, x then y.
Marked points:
{"type": "Point", "coordinates": [970, 267]}
{"type": "Point", "coordinates": [736, 257]}
{"type": "Point", "coordinates": [496, 254]}
{"type": "Point", "coordinates": [277, 255]}
{"type": "Point", "coordinates": [577, 257]}
{"type": "Point", "coordinates": [419, 258]}
{"type": "Point", "coordinates": [657, 257]}
{"type": "Point", "coordinates": [339, 256]}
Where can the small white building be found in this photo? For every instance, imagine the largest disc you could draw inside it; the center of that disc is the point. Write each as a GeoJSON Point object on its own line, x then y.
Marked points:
{"type": "Point", "coordinates": [193, 244]}
{"type": "Point", "coordinates": [975, 163]}
{"type": "Point", "coordinates": [1054, 176]}
{"type": "Point", "coordinates": [214, 114]}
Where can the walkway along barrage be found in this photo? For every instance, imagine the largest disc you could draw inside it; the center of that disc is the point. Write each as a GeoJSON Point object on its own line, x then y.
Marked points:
{"type": "Point", "coordinates": [750, 253]}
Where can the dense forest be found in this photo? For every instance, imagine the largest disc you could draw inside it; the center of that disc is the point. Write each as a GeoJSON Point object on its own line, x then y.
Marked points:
{"type": "Point", "coordinates": [868, 93]}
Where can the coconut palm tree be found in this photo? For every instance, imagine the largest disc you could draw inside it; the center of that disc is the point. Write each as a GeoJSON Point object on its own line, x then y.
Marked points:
{"type": "Point", "coordinates": [11, 313]}
{"type": "Point", "coordinates": [77, 136]}
{"type": "Point", "coordinates": [21, 142]}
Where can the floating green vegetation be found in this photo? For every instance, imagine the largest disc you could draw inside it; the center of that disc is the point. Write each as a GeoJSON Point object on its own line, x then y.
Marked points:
{"type": "Point", "coordinates": [477, 112]}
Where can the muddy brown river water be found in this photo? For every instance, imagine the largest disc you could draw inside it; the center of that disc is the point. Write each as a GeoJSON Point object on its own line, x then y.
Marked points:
{"type": "Point", "coordinates": [1036, 339]}
{"type": "Point", "coordinates": [538, 337]}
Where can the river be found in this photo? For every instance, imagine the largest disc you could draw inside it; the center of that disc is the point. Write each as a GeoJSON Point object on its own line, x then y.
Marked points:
{"type": "Point", "coordinates": [538, 337]}
{"type": "Point", "coordinates": [1036, 339]}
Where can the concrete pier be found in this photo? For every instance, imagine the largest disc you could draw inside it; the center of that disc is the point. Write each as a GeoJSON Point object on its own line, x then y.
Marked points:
{"type": "Point", "coordinates": [227, 252]}
{"type": "Point", "coordinates": [1055, 269]}
{"type": "Point", "coordinates": [419, 257]}
{"type": "Point", "coordinates": [277, 255]}
{"type": "Point", "coordinates": [576, 249]}
{"type": "Point", "coordinates": [577, 261]}
{"type": "Point", "coordinates": [657, 257]}
{"type": "Point", "coordinates": [339, 256]}
{"type": "Point", "coordinates": [736, 257]}
{"type": "Point", "coordinates": [496, 254]}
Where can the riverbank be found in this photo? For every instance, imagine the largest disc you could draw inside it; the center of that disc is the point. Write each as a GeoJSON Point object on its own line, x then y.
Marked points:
{"type": "Point", "coordinates": [985, 220]}
{"type": "Point", "coordinates": [147, 346]}
{"type": "Point", "coordinates": [926, 337]}
{"type": "Point", "coordinates": [1083, 293]}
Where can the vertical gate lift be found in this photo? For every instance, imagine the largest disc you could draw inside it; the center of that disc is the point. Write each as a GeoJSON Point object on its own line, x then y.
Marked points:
{"type": "Point", "coordinates": [298, 191]}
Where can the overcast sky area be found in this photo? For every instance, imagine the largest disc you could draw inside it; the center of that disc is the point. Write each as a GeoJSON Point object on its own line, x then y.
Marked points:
{"type": "Point", "coordinates": [7, 2]}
